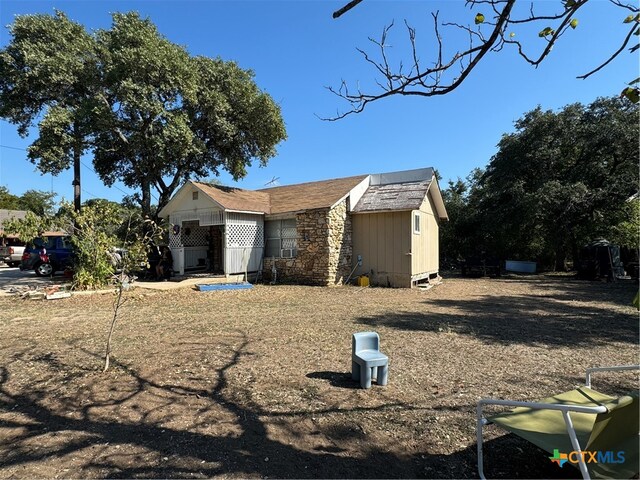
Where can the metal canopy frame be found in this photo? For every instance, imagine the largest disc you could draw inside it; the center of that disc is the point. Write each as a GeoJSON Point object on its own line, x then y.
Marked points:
{"type": "Point", "coordinates": [565, 409]}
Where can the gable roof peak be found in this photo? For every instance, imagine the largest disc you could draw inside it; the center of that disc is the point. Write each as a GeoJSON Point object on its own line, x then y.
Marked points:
{"type": "Point", "coordinates": [234, 198]}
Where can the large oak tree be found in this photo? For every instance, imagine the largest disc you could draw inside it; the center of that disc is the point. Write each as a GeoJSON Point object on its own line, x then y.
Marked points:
{"type": "Point", "coordinates": [561, 179]}
{"type": "Point", "coordinates": [175, 116]}
{"type": "Point", "coordinates": [49, 74]}
{"type": "Point", "coordinates": [152, 114]}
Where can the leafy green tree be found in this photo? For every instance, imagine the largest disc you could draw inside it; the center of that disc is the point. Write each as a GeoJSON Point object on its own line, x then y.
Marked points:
{"type": "Point", "coordinates": [627, 232]}
{"type": "Point", "coordinates": [454, 197]}
{"type": "Point", "coordinates": [233, 120]}
{"type": "Point", "coordinates": [93, 240]}
{"type": "Point", "coordinates": [462, 235]}
{"type": "Point", "coordinates": [8, 201]}
{"type": "Point", "coordinates": [153, 115]}
{"type": "Point", "coordinates": [561, 179]}
{"type": "Point", "coordinates": [147, 79]}
{"type": "Point", "coordinates": [97, 230]}
{"type": "Point", "coordinates": [49, 73]}
{"type": "Point", "coordinates": [131, 222]}
{"type": "Point", "coordinates": [177, 116]}
{"type": "Point", "coordinates": [460, 45]}
{"type": "Point", "coordinates": [97, 261]}
{"type": "Point", "coordinates": [38, 202]}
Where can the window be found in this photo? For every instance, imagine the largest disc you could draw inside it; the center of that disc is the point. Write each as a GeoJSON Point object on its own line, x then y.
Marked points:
{"type": "Point", "coordinates": [194, 195]}
{"type": "Point", "coordinates": [416, 223]}
{"type": "Point", "coordinates": [282, 238]}
{"type": "Point", "coordinates": [65, 242]}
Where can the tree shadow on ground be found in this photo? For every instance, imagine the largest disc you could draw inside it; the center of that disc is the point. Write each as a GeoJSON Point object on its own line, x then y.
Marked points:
{"type": "Point", "coordinates": [526, 320]}
{"type": "Point", "coordinates": [47, 428]}
{"type": "Point", "coordinates": [171, 452]}
{"type": "Point", "coordinates": [509, 456]}
{"type": "Point", "coordinates": [571, 288]}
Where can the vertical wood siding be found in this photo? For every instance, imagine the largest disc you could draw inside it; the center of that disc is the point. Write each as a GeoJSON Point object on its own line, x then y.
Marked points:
{"type": "Point", "coordinates": [425, 247]}
{"type": "Point", "coordinates": [383, 240]}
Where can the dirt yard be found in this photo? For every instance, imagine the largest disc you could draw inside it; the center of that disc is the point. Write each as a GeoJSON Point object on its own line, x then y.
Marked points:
{"type": "Point", "coordinates": [256, 383]}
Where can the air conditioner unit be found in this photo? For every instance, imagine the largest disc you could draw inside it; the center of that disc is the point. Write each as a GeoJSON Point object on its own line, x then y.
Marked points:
{"type": "Point", "coordinates": [287, 253]}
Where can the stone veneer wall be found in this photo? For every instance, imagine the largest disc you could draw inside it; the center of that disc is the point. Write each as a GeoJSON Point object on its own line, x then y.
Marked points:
{"type": "Point", "coordinates": [324, 249]}
{"type": "Point", "coordinates": [340, 243]}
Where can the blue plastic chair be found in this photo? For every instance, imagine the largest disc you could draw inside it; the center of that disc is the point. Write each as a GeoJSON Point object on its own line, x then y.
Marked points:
{"type": "Point", "coordinates": [367, 362]}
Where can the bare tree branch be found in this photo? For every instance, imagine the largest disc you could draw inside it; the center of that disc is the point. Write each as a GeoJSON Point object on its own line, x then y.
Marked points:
{"type": "Point", "coordinates": [346, 8]}
{"type": "Point", "coordinates": [632, 8]}
{"type": "Point", "coordinates": [567, 17]}
{"type": "Point", "coordinates": [614, 55]}
{"type": "Point", "coordinates": [418, 84]}
{"type": "Point", "coordinates": [490, 35]}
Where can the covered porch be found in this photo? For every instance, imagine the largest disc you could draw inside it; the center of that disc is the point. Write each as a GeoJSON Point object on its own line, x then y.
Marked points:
{"type": "Point", "coordinates": [211, 230]}
{"type": "Point", "coordinates": [216, 241]}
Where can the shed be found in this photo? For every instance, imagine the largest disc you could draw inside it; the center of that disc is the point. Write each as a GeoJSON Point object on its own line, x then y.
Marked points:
{"type": "Point", "coordinates": [396, 228]}
{"type": "Point", "coordinates": [600, 259]}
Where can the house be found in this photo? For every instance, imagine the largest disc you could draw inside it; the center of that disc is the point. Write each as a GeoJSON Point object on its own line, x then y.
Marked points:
{"type": "Point", "coordinates": [9, 215]}
{"type": "Point", "coordinates": [323, 233]}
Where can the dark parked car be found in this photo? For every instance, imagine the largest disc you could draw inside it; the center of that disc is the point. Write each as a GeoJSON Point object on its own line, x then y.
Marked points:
{"type": "Point", "coordinates": [47, 255]}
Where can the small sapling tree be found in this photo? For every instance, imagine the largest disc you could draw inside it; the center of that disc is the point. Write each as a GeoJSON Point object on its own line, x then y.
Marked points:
{"type": "Point", "coordinates": [132, 258]}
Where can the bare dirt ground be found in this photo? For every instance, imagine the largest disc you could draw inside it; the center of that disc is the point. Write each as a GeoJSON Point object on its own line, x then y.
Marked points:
{"type": "Point", "coordinates": [256, 383]}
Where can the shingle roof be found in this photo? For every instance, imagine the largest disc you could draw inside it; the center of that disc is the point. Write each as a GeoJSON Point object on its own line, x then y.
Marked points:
{"type": "Point", "coordinates": [308, 196]}
{"type": "Point", "coordinates": [395, 196]}
{"type": "Point", "coordinates": [7, 214]}
{"type": "Point", "coordinates": [236, 198]}
{"type": "Point", "coordinates": [404, 191]}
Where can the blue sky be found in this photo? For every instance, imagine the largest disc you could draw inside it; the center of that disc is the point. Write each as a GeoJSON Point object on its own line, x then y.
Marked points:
{"type": "Point", "coordinates": [297, 49]}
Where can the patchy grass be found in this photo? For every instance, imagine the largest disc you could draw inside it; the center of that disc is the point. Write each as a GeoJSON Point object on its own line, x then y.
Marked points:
{"type": "Point", "coordinates": [256, 383]}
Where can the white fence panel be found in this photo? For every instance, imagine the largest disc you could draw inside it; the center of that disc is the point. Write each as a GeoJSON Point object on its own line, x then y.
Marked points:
{"type": "Point", "coordinates": [236, 258]}
{"type": "Point", "coordinates": [195, 257]}
{"type": "Point", "coordinates": [240, 236]}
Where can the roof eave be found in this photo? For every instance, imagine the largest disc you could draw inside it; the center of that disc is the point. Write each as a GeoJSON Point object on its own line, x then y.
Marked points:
{"type": "Point", "coordinates": [249, 212]}
{"type": "Point", "coordinates": [388, 210]}
{"type": "Point", "coordinates": [436, 195]}
{"type": "Point", "coordinates": [282, 215]}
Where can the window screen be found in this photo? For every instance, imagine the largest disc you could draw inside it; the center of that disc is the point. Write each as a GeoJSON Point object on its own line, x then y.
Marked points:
{"type": "Point", "coordinates": [282, 238]}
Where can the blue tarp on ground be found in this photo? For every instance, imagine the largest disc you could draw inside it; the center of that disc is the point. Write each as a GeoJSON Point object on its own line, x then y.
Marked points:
{"type": "Point", "coordinates": [223, 286]}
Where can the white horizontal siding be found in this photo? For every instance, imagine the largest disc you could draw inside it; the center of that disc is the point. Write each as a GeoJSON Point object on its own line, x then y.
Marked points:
{"type": "Point", "coordinates": [203, 217]}
{"type": "Point", "coordinates": [244, 219]}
